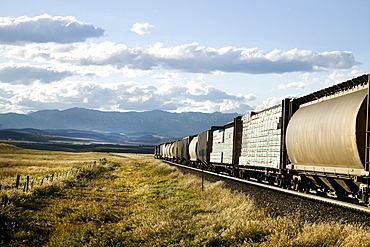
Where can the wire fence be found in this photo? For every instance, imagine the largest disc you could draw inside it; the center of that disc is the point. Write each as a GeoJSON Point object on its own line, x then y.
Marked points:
{"type": "Point", "coordinates": [27, 183]}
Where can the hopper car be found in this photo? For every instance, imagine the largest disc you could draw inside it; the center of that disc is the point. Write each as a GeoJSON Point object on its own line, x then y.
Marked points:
{"type": "Point", "coordinates": [317, 143]}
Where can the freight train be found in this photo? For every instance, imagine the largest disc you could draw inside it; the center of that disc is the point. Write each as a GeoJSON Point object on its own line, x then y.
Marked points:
{"type": "Point", "coordinates": [318, 143]}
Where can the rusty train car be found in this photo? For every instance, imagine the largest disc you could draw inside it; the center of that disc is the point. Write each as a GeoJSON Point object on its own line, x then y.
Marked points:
{"type": "Point", "coordinates": [318, 143]}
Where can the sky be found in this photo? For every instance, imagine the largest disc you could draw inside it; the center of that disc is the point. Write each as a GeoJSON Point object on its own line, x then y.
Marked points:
{"type": "Point", "coordinates": [178, 56]}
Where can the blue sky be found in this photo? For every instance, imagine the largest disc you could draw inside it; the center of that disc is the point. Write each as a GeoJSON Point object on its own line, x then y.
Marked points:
{"type": "Point", "coordinates": [227, 56]}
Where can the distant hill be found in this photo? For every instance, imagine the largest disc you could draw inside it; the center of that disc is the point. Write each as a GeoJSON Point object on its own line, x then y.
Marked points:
{"type": "Point", "coordinates": [143, 127]}
{"type": "Point", "coordinates": [30, 136]}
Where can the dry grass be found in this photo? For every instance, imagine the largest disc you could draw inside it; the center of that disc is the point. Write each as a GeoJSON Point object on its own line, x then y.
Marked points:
{"type": "Point", "coordinates": [135, 200]}
{"type": "Point", "coordinates": [38, 164]}
{"type": "Point", "coordinates": [23, 161]}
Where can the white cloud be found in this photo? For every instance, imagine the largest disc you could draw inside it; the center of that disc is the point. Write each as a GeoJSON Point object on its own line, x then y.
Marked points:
{"type": "Point", "coordinates": [267, 103]}
{"type": "Point", "coordinates": [44, 28]}
{"type": "Point", "coordinates": [198, 88]}
{"type": "Point", "coordinates": [141, 28]}
{"type": "Point", "coordinates": [5, 94]}
{"type": "Point", "coordinates": [186, 58]}
{"type": "Point", "coordinates": [171, 90]}
{"type": "Point", "coordinates": [320, 79]}
{"type": "Point", "coordinates": [294, 85]}
{"type": "Point", "coordinates": [54, 48]}
{"type": "Point", "coordinates": [336, 77]}
{"type": "Point", "coordinates": [167, 77]}
{"type": "Point", "coordinates": [25, 74]}
{"type": "Point", "coordinates": [250, 97]}
{"type": "Point", "coordinates": [124, 96]}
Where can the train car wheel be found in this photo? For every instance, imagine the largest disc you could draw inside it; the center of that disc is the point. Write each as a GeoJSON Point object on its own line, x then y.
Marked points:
{"type": "Point", "coordinates": [233, 172]}
{"type": "Point", "coordinates": [280, 181]}
{"type": "Point", "coordinates": [241, 174]}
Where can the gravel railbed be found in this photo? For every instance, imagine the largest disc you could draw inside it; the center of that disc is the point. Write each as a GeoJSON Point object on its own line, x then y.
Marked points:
{"type": "Point", "coordinates": [281, 204]}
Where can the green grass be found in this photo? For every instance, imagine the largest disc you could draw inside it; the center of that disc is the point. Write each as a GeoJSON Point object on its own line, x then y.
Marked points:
{"type": "Point", "coordinates": [138, 201]}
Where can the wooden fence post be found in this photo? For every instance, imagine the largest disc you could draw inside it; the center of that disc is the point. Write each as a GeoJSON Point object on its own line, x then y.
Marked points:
{"type": "Point", "coordinates": [26, 185]}
{"type": "Point", "coordinates": [17, 180]}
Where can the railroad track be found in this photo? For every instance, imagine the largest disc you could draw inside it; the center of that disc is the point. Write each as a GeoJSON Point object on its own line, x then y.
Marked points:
{"type": "Point", "coordinates": [326, 200]}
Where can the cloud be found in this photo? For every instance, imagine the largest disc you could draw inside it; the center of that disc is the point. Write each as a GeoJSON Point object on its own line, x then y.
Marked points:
{"type": "Point", "coordinates": [250, 97]}
{"type": "Point", "coordinates": [336, 77]}
{"type": "Point", "coordinates": [195, 58]}
{"type": "Point", "coordinates": [54, 49]}
{"type": "Point", "coordinates": [294, 85]}
{"type": "Point", "coordinates": [141, 28]}
{"type": "Point", "coordinates": [125, 96]}
{"type": "Point", "coordinates": [24, 74]}
{"type": "Point", "coordinates": [44, 28]}
{"type": "Point", "coordinates": [269, 102]}
{"type": "Point", "coordinates": [191, 58]}
{"type": "Point", "coordinates": [167, 77]}
{"type": "Point", "coordinates": [6, 94]}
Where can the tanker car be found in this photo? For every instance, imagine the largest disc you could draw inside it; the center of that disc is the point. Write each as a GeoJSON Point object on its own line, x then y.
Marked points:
{"type": "Point", "coordinates": [317, 143]}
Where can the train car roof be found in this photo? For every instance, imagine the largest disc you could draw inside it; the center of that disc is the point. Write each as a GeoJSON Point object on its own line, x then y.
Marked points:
{"type": "Point", "coordinates": [337, 88]}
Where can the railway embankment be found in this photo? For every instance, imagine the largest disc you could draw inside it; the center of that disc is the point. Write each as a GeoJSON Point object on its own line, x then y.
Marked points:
{"type": "Point", "coordinates": [278, 204]}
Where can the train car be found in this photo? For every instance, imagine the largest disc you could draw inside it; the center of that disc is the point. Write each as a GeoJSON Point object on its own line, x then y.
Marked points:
{"type": "Point", "coordinates": [162, 150]}
{"type": "Point", "coordinates": [157, 151]}
{"type": "Point", "coordinates": [203, 149]}
{"type": "Point", "coordinates": [200, 149]}
{"type": "Point", "coordinates": [168, 151]}
{"type": "Point", "coordinates": [226, 146]}
{"type": "Point", "coordinates": [261, 149]}
{"type": "Point", "coordinates": [193, 146]}
{"type": "Point", "coordinates": [171, 151]}
{"type": "Point", "coordinates": [181, 151]}
{"type": "Point", "coordinates": [327, 140]}
{"type": "Point", "coordinates": [175, 154]}
{"type": "Point", "coordinates": [222, 144]}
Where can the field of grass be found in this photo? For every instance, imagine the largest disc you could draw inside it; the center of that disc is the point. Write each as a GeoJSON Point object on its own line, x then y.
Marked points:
{"type": "Point", "coordinates": [134, 200]}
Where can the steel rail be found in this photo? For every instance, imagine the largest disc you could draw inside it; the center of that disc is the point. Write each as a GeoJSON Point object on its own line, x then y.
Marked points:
{"type": "Point", "coordinates": [292, 192]}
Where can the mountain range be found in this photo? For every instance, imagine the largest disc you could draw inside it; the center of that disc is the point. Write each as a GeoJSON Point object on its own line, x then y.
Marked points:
{"type": "Point", "coordinates": [123, 127]}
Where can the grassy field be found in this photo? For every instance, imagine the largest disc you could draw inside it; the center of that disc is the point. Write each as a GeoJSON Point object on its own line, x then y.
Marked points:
{"type": "Point", "coordinates": [134, 200]}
